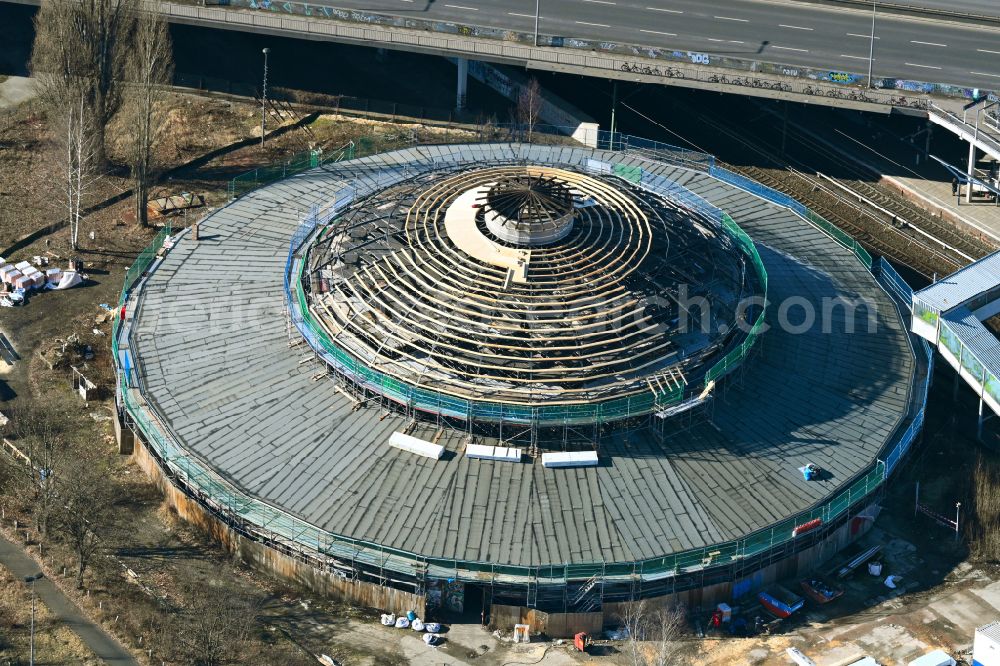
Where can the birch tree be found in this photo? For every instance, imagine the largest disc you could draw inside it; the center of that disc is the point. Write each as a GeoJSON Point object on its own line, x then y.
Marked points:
{"type": "Point", "coordinates": [529, 106]}
{"type": "Point", "coordinates": [80, 150]}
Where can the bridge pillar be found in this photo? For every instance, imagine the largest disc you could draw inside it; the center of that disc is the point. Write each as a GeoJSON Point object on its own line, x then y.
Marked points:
{"type": "Point", "coordinates": [979, 425]}
{"type": "Point", "coordinates": [463, 84]}
{"type": "Point", "coordinates": [971, 171]}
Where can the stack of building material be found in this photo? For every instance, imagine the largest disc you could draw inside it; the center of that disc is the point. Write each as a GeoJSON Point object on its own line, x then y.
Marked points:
{"type": "Point", "coordinates": [570, 459]}
{"type": "Point", "coordinates": [484, 452]}
{"type": "Point", "coordinates": [33, 278]}
{"type": "Point", "coordinates": [416, 445]}
{"type": "Point", "coordinates": [53, 275]}
{"type": "Point", "coordinates": [7, 273]}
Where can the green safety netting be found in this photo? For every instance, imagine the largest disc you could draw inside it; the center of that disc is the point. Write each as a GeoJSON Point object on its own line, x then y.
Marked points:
{"type": "Point", "coordinates": [298, 163]}
{"type": "Point", "coordinates": [731, 360]}
{"type": "Point", "coordinates": [255, 515]}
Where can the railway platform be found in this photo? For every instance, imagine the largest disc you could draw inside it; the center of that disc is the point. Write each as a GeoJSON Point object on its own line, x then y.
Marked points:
{"type": "Point", "coordinates": [981, 215]}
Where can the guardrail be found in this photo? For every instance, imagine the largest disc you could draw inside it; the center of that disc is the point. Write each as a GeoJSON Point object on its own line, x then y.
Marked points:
{"type": "Point", "coordinates": [478, 42]}
{"type": "Point", "coordinates": [782, 199]}
{"type": "Point", "coordinates": [964, 129]}
{"type": "Point", "coordinates": [914, 9]}
{"type": "Point", "coordinates": [274, 526]}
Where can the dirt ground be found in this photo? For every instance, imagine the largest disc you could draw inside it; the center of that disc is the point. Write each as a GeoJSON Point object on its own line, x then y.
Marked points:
{"type": "Point", "coordinates": [54, 643]}
{"type": "Point", "coordinates": [152, 575]}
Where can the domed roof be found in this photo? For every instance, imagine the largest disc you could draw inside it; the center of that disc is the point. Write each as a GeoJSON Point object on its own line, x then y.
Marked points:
{"type": "Point", "coordinates": [435, 299]}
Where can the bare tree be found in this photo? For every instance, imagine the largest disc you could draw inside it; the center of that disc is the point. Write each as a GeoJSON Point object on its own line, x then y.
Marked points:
{"type": "Point", "coordinates": [221, 623]}
{"type": "Point", "coordinates": [529, 106]}
{"type": "Point", "coordinates": [79, 148]}
{"type": "Point", "coordinates": [150, 66]}
{"type": "Point", "coordinates": [86, 509]}
{"type": "Point", "coordinates": [651, 632]}
{"type": "Point", "coordinates": [38, 433]}
{"type": "Point", "coordinates": [634, 620]}
{"type": "Point", "coordinates": [80, 48]}
{"type": "Point", "coordinates": [666, 626]}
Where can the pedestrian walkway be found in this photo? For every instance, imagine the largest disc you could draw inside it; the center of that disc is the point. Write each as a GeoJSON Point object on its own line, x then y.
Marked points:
{"type": "Point", "coordinates": [63, 608]}
{"type": "Point", "coordinates": [936, 194]}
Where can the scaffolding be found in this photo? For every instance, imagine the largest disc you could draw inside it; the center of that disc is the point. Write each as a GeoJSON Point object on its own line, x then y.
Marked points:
{"type": "Point", "coordinates": [345, 297]}
{"type": "Point", "coordinates": [576, 585]}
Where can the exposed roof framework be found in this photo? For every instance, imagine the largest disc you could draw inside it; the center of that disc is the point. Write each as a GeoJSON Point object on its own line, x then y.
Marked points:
{"type": "Point", "coordinates": [637, 296]}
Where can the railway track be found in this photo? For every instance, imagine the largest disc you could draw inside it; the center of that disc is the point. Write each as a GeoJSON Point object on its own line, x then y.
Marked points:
{"type": "Point", "coordinates": [881, 221]}
{"type": "Point", "coordinates": [877, 235]}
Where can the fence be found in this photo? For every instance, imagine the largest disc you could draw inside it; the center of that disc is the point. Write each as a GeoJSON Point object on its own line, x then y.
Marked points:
{"type": "Point", "coordinates": [263, 521]}
{"type": "Point", "coordinates": [782, 199]}
{"type": "Point", "coordinates": [307, 159]}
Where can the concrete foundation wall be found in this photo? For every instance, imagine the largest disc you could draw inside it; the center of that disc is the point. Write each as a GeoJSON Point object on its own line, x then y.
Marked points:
{"type": "Point", "coordinates": [264, 558]}
{"type": "Point", "coordinates": [553, 111]}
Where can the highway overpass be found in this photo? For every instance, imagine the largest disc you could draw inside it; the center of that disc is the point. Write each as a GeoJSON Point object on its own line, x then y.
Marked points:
{"type": "Point", "coordinates": [811, 51]}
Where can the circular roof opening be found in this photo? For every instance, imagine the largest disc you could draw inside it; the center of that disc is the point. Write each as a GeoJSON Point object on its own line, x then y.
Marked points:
{"type": "Point", "coordinates": [529, 209]}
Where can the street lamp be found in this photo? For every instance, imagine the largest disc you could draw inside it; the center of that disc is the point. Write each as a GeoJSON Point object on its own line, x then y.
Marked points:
{"type": "Point", "coordinates": [263, 99]}
{"type": "Point", "coordinates": [32, 579]}
{"type": "Point", "coordinates": [537, 3]}
{"type": "Point", "coordinates": [871, 49]}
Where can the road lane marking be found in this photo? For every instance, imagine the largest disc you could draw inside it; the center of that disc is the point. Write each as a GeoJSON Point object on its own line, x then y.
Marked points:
{"type": "Point", "coordinates": [660, 9]}
{"type": "Point", "coordinates": [714, 40]}
{"type": "Point", "coordinates": [988, 51]}
{"type": "Point", "coordinates": [733, 41]}
{"type": "Point", "coordinates": [789, 48]}
{"type": "Point", "coordinates": [601, 2]}
{"type": "Point", "coordinates": [913, 64]}
{"type": "Point", "coordinates": [730, 18]}
{"type": "Point", "coordinates": [793, 27]}
{"type": "Point", "coordinates": [985, 74]}
{"type": "Point", "coordinates": [531, 16]}
{"type": "Point", "coordinates": [854, 57]}
{"type": "Point", "coordinates": [914, 41]}
{"type": "Point", "coordinates": [854, 34]}
{"type": "Point", "coordinates": [468, 9]}
{"type": "Point", "coordinates": [657, 32]}
{"type": "Point", "coordinates": [596, 25]}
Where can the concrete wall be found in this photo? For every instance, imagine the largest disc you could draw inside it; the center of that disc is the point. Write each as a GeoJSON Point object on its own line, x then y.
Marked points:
{"type": "Point", "coordinates": [271, 561]}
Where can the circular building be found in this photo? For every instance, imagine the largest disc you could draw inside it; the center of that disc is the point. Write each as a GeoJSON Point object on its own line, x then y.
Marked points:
{"type": "Point", "coordinates": [503, 377]}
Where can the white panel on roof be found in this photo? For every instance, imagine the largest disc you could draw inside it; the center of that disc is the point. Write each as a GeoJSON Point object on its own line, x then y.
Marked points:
{"type": "Point", "coordinates": [570, 459]}
{"type": "Point", "coordinates": [421, 447]}
{"type": "Point", "coordinates": [484, 452]}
